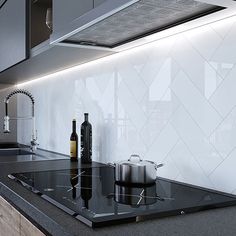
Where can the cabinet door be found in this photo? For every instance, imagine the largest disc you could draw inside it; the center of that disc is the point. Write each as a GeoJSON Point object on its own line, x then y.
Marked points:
{"type": "Point", "coordinates": [64, 12]}
{"type": "Point", "coordinates": [13, 33]}
{"type": "Point", "coordinates": [12, 223]}
{"type": "Point", "coordinates": [98, 2]}
{"type": "Point", "coordinates": [9, 219]}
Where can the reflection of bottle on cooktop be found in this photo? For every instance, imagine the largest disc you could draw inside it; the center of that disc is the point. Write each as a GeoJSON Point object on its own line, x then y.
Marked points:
{"type": "Point", "coordinates": [86, 140]}
{"type": "Point", "coordinates": [86, 185]}
{"type": "Point", "coordinates": [74, 181]}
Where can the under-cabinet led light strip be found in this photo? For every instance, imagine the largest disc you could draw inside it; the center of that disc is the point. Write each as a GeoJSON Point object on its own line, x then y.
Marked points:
{"type": "Point", "coordinates": [144, 43]}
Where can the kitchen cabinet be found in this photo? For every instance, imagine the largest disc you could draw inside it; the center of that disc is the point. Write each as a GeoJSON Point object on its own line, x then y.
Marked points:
{"type": "Point", "coordinates": [13, 223]}
{"type": "Point", "coordinates": [14, 43]}
{"type": "Point", "coordinates": [39, 31]}
{"type": "Point", "coordinates": [65, 12]}
{"type": "Point", "coordinates": [22, 27]}
{"type": "Point", "coordinates": [98, 2]}
{"type": "Point", "coordinates": [46, 58]}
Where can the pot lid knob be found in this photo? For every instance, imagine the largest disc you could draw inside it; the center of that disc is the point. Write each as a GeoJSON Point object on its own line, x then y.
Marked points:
{"type": "Point", "coordinates": [135, 158]}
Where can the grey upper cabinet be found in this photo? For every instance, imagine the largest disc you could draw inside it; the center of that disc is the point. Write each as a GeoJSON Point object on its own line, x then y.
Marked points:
{"type": "Point", "coordinates": [98, 2]}
{"type": "Point", "coordinates": [66, 11]}
{"type": "Point", "coordinates": [14, 46]}
{"type": "Point", "coordinates": [44, 57]}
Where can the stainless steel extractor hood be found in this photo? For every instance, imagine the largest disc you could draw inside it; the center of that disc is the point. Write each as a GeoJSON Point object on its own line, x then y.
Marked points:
{"type": "Point", "coordinates": [142, 18]}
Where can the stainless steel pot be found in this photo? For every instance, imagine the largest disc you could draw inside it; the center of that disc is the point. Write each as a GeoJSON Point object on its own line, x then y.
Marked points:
{"type": "Point", "coordinates": [135, 171]}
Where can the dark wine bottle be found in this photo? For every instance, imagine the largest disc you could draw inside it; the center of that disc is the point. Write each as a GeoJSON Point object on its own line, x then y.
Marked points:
{"type": "Point", "coordinates": [74, 143]}
{"type": "Point", "coordinates": [86, 140]}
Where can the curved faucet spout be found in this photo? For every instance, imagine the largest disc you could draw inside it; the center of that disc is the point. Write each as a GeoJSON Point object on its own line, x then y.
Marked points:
{"type": "Point", "coordinates": [7, 118]}
{"type": "Point", "coordinates": [19, 91]}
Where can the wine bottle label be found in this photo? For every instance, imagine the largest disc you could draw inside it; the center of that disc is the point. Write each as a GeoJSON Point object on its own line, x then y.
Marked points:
{"type": "Point", "coordinates": [73, 151]}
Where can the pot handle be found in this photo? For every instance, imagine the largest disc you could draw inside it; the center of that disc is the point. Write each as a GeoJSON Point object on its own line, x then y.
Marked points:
{"type": "Point", "coordinates": [111, 164]}
{"type": "Point", "coordinates": [135, 156]}
{"type": "Point", "coordinates": [158, 166]}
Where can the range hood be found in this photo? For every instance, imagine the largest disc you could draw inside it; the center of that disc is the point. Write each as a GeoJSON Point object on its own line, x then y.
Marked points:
{"type": "Point", "coordinates": [135, 20]}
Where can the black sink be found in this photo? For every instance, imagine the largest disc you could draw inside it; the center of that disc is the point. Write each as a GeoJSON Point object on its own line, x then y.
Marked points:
{"type": "Point", "coordinates": [10, 148]}
{"type": "Point", "coordinates": [17, 151]}
{"type": "Point", "coordinates": [11, 145]}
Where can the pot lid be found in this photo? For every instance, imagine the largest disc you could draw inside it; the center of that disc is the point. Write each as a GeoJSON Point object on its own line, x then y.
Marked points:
{"type": "Point", "coordinates": [135, 160]}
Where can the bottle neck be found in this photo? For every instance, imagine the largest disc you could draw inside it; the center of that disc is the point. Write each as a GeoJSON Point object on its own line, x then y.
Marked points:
{"type": "Point", "coordinates": [74, 126]}
{"type": "Point", "coordinates": [86, 117]}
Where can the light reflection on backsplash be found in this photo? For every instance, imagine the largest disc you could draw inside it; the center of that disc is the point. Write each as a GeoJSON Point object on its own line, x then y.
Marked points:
{"type": "Point", "coordinates": [173, 102]}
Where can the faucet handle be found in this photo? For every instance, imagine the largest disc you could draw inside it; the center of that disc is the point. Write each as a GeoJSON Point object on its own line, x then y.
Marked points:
{"type": "Point", "coordinates": [34, 135]}
{"type": "Point", "coordinates": [33, 142]}
{"type": "Point", "coordinates": [6, 125]}
{"type": "Point", "coordinates": [34, 145]}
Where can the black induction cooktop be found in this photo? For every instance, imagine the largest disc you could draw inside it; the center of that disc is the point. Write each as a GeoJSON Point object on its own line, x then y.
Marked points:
{"type": "Point", "coordinates": [92, 196]}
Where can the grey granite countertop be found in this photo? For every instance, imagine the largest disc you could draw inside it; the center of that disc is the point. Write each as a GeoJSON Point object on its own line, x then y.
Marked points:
{"type": "Point", "coordinates": [53, 221]}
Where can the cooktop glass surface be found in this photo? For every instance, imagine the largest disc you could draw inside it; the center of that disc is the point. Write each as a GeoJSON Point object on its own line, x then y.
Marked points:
{"type": "Point", "coordinates": [92, 196]}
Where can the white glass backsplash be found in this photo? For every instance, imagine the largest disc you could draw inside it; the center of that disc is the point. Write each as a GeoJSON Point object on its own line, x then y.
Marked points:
{"type": "Point", "coordinates": [172, 101]}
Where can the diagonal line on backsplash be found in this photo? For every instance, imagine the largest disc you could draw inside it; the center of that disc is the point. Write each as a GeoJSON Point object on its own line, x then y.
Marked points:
{"type": "Point", "coordinates": [190, 113]}
{"type": "Point", "coordinates": [149, 115]}
{"type": "Point", "coordinates": [143, 118]}
{"type": "Point", "coordinates": [193, 155]}
{"type": "Point", "coordinates": [224, 118]}
{"type": "Point", "coordinates": [145, 65]}
{"type": "Point", "coordinates": [223, 37]}
{"type": "Point", "coordinates": [222, 79]}
{"type": "Point", "coordinates": [169, 118]}
{"type": "Point", "coordinates": [129, 87]}
{"type": "Point", "coordinates": [221, 162]}
{"type": "Point", "coordinates": [146, 95]}
{"type": "Point", "coordinates": [159, 134]}
{"type": "Point", "coordinates": [215, 130]}
{"type": "Point", "coordinates": [205, 60]}
{"type": "Point", "coordinates": [207, 100]}
{"type": "Point", "coordinates": [222, 42]}
{"type": "Point", "coordinates": [166, 156]}
{"type": "Point", "coordinates": [164, 160]}
{"type": "Point", "coordinates": [221, 84]}
{"type": "Point", "coordinates": [197, 125]}
{"type": "Point", "coordinates": [162, 57]}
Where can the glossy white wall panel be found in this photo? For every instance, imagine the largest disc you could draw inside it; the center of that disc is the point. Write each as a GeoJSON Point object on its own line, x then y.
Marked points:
{"type": "Point", "coordinates": [224, 51]}
{"type": "Point", "coordinates": [172, 101]}
{"type": "Point", "coordinates": [224, 176]}
{"type": "Point", "coordinates": [224, 98]}
{"type": "Point", "coordinates": [204, 47]}
{"type": "Point", "coordinates": [196, 104]}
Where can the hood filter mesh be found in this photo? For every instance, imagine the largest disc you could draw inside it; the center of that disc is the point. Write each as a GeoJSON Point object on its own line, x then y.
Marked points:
{"type": "Point", "coordinates": [140, 19]}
